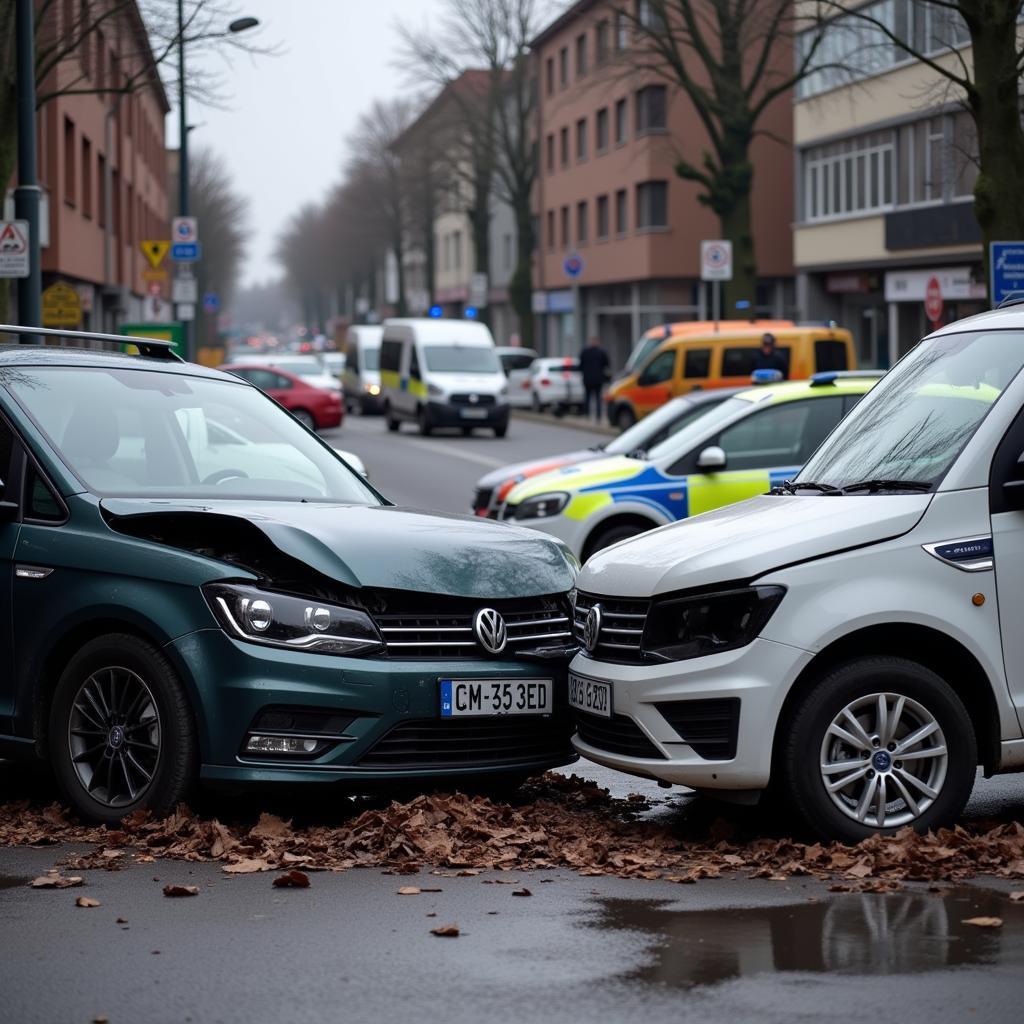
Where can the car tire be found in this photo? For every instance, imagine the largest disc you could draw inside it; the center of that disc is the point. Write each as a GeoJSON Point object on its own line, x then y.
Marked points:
{"type": "Point", "coordinates": [391, 420]}
{"type": "Point", "coordinates": [305, 418]}
{"type": "Point", "coordinates": [917, 698]}
{"type": "Point", "coordinates": [501, 431]}
{"type": "Point", "coordinates": [624, 417]}
{"type": "Point", "coordinates": [423, 419]}
{"type": "Point", "coordinates": [121, 682]}
{"type": "Point", "coordinates": [609, 535]}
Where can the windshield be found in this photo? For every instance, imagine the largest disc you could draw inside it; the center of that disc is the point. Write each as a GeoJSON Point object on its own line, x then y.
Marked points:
{"type": "Point", "coordinates": [142, 433]}
{"type": "Point", "coordinates": [914, 423]}
{"type": "Point", "coordinates": [644, 347]}
{"type": "Point", "coordinates": [461, 359]}
{"type": "Point", "coordinates": [697, 429]}
{"type": "Point", "coordinates": [300, 367]}
{"type": "Point", "coordinates": [371, 358]}
{"type": "Point", "coordinates": [665, 421]}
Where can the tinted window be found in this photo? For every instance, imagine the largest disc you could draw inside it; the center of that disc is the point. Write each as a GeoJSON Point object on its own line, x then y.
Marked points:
{"type": "Point", "coordinates": [40, 501]}
{"type": "Point", "coordinates": [414, 364]}
{"type": "Point", "coordinates": [516, 360]}
{"type": "Point", "coordinates": [6, 448]}
{"type": "Point", "coordinates": [741, 362]}
{"type": "Point", "coordinates": [698, 362]}
{"type": "Point", "coordinates": [263, 379]}
{"type": "Point", "coordinates": [390, 355]}
{"type": "Point", "coordinates": [279, 383]}
{"type": "Point", "coordinates": [370, 358]}
{"type": "Point", "coordinates": [660, 369]}
{"type": "Point", "coordinates": [829, 355]}
{"type": "Point", "coordinates": [781, 435]}
{"type": "Point", "coordinates": [461, 359]}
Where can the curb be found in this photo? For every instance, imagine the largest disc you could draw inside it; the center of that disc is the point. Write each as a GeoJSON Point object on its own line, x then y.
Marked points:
{"type": "Point", "coordinates": [569, 422]}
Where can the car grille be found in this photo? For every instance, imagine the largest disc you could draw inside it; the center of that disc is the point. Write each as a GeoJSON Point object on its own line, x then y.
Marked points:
{"type": "Point", "coordinates": [709, 726]}
{"type": "Point", "coordinates": [543, 622]}
{"type": "Point", "coordinates": [482, 499]}
{"type": "Point", "coordinates": [622, 627]}
{"type": "Point", "coordinates": [617, 735]}
{"type": "Point", "coordinates": [505, 740]}
{"type": "Point", "coordinates": [472, 399]}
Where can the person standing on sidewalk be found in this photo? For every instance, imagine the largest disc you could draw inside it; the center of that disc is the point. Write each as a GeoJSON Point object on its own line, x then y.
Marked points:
{"type": "Point", "coordinates": [595, 368]}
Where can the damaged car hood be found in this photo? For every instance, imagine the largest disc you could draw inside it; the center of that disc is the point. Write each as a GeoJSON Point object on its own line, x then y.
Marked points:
{"type": "Point", "coordinates": [365, 546]}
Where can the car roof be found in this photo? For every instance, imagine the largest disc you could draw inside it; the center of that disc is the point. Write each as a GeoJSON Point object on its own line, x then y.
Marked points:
{"type": "Point", "coordinates": [440, 331]}
{"type": "Point", "coordinates": [54, 355]}
{"type": "Point", "coordinates": [1009, 318]}
{"type": "Point", "coordinates": [788, 391]}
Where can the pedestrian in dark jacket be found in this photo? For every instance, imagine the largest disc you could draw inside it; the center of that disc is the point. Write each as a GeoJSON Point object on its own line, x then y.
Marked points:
{"type": "Point", "coordinates": [595, 367]}
{"type": "Point", "coordinates": [769, 357]}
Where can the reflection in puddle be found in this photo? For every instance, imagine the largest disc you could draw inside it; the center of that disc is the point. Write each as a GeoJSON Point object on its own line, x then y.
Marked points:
{"type": "Point", "coordinates": [863, 933]}
{"type": "Point", "coordinates": [12, 882]}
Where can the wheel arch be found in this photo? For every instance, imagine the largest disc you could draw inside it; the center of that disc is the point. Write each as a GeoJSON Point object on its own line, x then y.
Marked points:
{"type": "Point", "coordinates": [937, 651]}
{"type": "Point", "coordinates": [617, 517]}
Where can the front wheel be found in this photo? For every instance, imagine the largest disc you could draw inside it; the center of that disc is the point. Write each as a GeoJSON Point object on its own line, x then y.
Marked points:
{"type": "Point", "coordinates": [423, 418]}
{"type": "Point", "coordinates": [605, 538]}
{"type": "Point", "coordinates": [121, 732]}
{"type": "Point", "coordinates": [501, 430]}
{"type": "Point", "coordinates": [878, 744]}
{"type": "Point", "coordinates": [391, 419]}
{"type": "Point", "coordinates": [624, 417]}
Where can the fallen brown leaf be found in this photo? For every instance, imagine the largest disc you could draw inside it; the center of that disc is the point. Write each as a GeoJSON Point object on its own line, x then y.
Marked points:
{"type": "Point", "coordinates": [181, 890]}
{"type": "Point", "coordinates": [86, 901]}
{"type": "Point", "coordinates": [54, 880]}
{"type": "Point", "coordinates": [984, 922]}
{"type": "Point", "coordinates": [446, 931]}
{"type": "Point", "coordinates": [293, 879]}
{"type": "Point", "coordinates": [246, 866]}
{"type": "Point", "coordinates": [1017, 897]}
{"type": "Point", "coordinates": [522, 892]}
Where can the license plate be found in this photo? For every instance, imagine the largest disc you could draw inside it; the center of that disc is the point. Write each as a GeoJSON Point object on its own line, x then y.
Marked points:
{"type": "Point", "coordinates": [476, 698]}
{"type": "Point", "coordinates": [591, 696]}
{"type": "Point", "coordinates": [473, 414]}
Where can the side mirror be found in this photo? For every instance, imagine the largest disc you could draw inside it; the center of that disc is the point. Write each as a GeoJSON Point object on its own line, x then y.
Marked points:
{"type": "Point", "coordinates": [712, 458]}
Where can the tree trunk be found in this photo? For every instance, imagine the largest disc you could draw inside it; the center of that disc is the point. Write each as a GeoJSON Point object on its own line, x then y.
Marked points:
{"type": "Point", "coordinates": [401, 308]}
{"type": "Point", "coordinates": [521, 286]}
{"type": "Point", "coordinates": [737, 227]}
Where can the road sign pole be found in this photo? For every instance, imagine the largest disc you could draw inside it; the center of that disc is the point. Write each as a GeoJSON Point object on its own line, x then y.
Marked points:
{"type": "Point", "coordinates": [26, 195]}
{"type": "Point", "coordinates": [716, 302]}
{"type": "Point", "coordinates": [186, 339]}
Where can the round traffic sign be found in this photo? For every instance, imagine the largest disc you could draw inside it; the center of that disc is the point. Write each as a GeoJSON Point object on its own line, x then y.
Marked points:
{"type": "Point", "coordinates": [573, 265]}
{"type": "Point", "coordinates": [716, 256]}
{"type": "Point", "coordinates": [933, 300]}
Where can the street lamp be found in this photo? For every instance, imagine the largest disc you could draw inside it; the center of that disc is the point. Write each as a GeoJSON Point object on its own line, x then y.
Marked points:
{"type": "Point", "coordinates": [238, 25]}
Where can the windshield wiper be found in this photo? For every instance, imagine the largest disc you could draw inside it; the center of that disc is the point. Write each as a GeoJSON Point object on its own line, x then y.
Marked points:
{"type": "Point", "coordinates": [789, 487]}
{"type": "Point", "coordinates": [873, 486]}
{"type": "Point", "coordinates": [596, 447]}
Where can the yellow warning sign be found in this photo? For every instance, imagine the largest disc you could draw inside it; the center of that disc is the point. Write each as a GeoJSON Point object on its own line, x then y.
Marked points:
{"type": "Point", "coordinates": [155, 249]}
{"type": "Point", "coordinates": [61, 306]}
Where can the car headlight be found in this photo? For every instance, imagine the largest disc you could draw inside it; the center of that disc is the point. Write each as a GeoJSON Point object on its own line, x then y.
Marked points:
{"type": "Point", "coordinates": [692, 627]}
{"type": "Point", "coordinates": [433, 389]}
{"type": "Point", "coordinates": [543, 506]}
{"type": "Point", "coordinates": [292, 623]}
{"type": "Point", "coordinates": [504, 391]}
{"type": "Point", "coordinates": [372, 389]}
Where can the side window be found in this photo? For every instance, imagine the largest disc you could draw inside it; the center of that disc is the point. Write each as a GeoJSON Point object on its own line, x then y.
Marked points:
{"type": "Point", "coordinates": [263, 379]}
{"type": "Point", "coordinates": [414, 364]}
{"type": "Point", "coordinates": [279, 383]}
{"type": "Point", "coordinates": [698, 362]}
{"type": "Point", "coordinates": [659, 370]}
{"type": "Point", "coordinates": [6, 451]}
{"type": "Point", "coordinates": [741, 362]}
{"type": "Point", "coordinates": [829, 355]}
{"type": "Point", "coordinates": [781, 435]}
{"type": "Point", "coordinates": [390, 355]}
{"type": "Point", "coordinates": [40, 502]}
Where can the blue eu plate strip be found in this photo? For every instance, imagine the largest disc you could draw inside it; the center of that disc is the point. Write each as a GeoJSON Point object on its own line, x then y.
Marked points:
{"type": "Point", "coordinates": [446, 698]}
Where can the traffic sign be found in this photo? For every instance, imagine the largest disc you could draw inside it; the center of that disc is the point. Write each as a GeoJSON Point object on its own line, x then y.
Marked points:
{"type": "Point", "coordinates": [186, 252]}
{"type": "Point", "coordinates": [186, 311]}
{"type": "Point", "coordinates": [211, 302]}
{"type": "Point", "coordinates": [155, 288]}
{"type": "Point", "coordinates": [155, 249]}
{"type": "Point", "coordinates": [573, 265]}
{"type": "Point", "coordinates": [185, 289]}
{"type": "Point", "coordinates": [1006, 269]}
{"type": "Point", "coordinates": [62, 306]}
{"type": "Point", "coordinates": [154, 275]}
{"type": "Point", "coordinates": [933, 300]}
{"type": "Point", "coordinates": [14, 248]}
{"type": "Point", "coordinates": [716, 260]}
{"type": "Point", "coordinates": [478, 287]}
{"type": "Point", "coordinates": [185, 229]}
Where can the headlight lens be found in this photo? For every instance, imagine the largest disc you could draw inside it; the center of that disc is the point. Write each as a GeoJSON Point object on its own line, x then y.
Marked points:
{"type": "Point", "coordinates": [542, 507]}
{"type": "Point", "coordinates": [292, 623]}
{"type": "Point", "coordinates": [433, 389]}
{"type": "Point", "coordinates": [372, 389]}
{"type": "Point", "coordinates": [692, 627]}
{"type": "Point", "coordinates": [504, 391]}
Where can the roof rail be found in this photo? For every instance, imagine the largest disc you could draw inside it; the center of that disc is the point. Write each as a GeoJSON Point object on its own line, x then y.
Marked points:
{"type": "Point", "coordinates": [831, 376]}
{"type": "Point", "coordinates": [1011, 299]}
{"type": "Point", "coordinates": [153, 348]}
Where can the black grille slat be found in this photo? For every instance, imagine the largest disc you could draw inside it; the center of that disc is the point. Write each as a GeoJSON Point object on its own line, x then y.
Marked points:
{"type": "Point", "coordinates": [617, 735]}
{"type": "Point", "coordinates": [711, 727]}
{"type": "Point", "coordinates": [468, 399]}
{"type": "Point", "coordinates": [622, 626]}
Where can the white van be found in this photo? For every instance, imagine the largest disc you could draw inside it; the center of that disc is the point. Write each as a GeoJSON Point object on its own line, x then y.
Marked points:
{"type": "Point", "coordinates": [442, 373]}
{"type": "Point", "coordinates": [361, 375]}
{"type": "Point", "coordinates": [855, 638]}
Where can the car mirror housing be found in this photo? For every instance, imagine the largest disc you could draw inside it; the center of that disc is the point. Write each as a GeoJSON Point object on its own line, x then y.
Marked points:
{"type": "Point", "coordinates": [712, 458]}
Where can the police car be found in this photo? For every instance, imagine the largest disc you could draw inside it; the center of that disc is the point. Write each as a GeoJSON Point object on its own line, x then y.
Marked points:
{"type": "Point", "coordinates": [742, 447]}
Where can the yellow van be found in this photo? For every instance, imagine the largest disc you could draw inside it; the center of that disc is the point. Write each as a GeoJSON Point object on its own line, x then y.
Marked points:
{"type": "Point", "coordinates": [689, 359]}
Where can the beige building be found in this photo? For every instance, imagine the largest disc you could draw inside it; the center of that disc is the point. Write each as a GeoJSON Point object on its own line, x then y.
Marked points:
{"type": "Point", "coordinates": [885, 168]}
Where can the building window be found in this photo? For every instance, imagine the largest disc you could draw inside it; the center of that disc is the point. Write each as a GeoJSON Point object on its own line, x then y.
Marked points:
{"type": "Point", "coordinates": [602, 217]}
{"type": "Point", "coordinates": [506, 245]}
{"type": "Point", "coordinates": [601, 143]}
{"type": "Point", "coordinates": [549, 75]}
{"type": "Point", "coordinates": [551, 229]}
{"type": "Point", "coordinates": [457, 249]}
{"type": "Point", "coordinates": [652, 204]}
{"type": "Point", "coordinates": [601, 42]}
{"type": "Point", "coordinates": [563, 66]}
{"type": "Point", "coordinates": [85, 46]}
{"type": "Point", "coordinates": [581, 55]}
{"type": "Point", "coordinates": [101, 174]}
{"type": "Point", "coordinates": [621, 224]}
{"type": "Point", "coordinates": [86, 177]}
{"type": "Point", "coordinates": [115, 213]}
{"type": "Point", "coordinates": [620, 122]}
{"type": "Point", "coordinates": [101, 59]}
{"type": "Point", "coordinates": [621, 31]}
{"type": "Point", "coordinates": [854, 175]}
{"type": "Point", "coordinates": [563, 147]}
{"type": "Point", "coordinates": [581, 139]}
{"type": "Point", "coordinates": [565, 227]}
{"type": "Point", "coordinates": [650, 109]}
{"type": "Point", "coordinates": [581, 221]}
{"type": "Point", "coordinates": [69, 161]}
{"type": "Point", "coordinates": [549, 147]}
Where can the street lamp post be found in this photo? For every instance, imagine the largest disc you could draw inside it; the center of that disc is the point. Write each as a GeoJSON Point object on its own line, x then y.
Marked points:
{"type": "Point", "coordinates": [26, 195]}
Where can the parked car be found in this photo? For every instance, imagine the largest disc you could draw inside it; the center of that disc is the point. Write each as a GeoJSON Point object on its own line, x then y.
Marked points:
{"type": "Point", "coordinates": [852, 639]}
{"type": "Point", "coordinates": [174, 616]}
{"type": "Point", "coordinates": [492, 489]}
{"type": "Point", "coordinates": [334, 363]}
{"type": "Point", "coordinates": [723, 355]}
{"type": "Point", "coordinates": [308, 367]}
{"type": "Point", "coordinates": [557, 384]}
{"type": "Point", "coordinates": [741, 447]}
{"type": "Point", "coordinates": [442, 373]}
{"type": "Point", "coordinates": [516, 363]}
{"type": "Point", "coordinates": [361, 378]}
{"type": "Point", "coordinates": [314, 407]}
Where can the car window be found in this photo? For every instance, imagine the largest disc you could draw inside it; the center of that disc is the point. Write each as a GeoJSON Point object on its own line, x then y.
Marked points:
{"type": "Point", "coordinates": [659, 370]}
{"type": "Point", "coordinates": [516, 360]}
{"type": "Point", "coordinates": [829, 354]}
{"type": "Point", "coordinates": [370, 358]}
{"type": "Point", "coordinates": [461, 359]}
{"type": "Point", "coordinates": [40, 501]}
{"type": "Point", "coordinates": [414, 364]}
{"type": "Point", "coordinates": [6, 451]}
{"type": "Point", "coordinates": [780, 435]}
{"type": "Point", "coordinates": [390, 355]}
{"type": "Point", "coordinates": [741, 362]}
{"type": "Point", "coordinates": [698, 362]}
{"type": "Point", "coordinates": [279, 383]}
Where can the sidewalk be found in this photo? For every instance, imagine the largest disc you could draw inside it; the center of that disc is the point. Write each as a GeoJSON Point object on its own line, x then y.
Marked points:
{"type": "Point", "coordinates": [574, 422]}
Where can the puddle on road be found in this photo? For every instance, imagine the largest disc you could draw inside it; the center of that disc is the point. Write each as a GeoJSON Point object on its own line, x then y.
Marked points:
{"type": "Point", "coordinates": [13, 882]}
{"type": "Point", "coordinates": [858, 933]}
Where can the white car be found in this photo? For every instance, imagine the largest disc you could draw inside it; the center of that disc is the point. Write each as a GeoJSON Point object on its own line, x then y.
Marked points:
{"type": "Point", "coordinates": [854, 638]}
{"type": "Point", "coordinates": [309, 368]}
{"type": "Point", "coordinates": [516, 362]}
{"type": "Point", "coordinates": [556, 383]}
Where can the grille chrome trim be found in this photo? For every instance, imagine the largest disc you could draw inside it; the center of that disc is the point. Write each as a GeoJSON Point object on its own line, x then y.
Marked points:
{"type": "Point", "coordinates": [623, 621]}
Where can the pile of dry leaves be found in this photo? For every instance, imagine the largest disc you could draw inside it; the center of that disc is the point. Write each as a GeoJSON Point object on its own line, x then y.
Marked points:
{"type": "Point", "coordinates": [568, 823]}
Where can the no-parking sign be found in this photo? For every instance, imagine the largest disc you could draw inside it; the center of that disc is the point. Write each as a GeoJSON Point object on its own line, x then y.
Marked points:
{"type": "Point", "coordinates": [716, 260]}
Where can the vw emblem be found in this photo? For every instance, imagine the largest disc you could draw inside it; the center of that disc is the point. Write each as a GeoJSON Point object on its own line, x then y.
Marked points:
{"type": "Point", "coordinates": [490, 630]}
{"type": "Point", "coordinates": [474, 399]}
{"type": "Point", "coordinates": [592, 629]}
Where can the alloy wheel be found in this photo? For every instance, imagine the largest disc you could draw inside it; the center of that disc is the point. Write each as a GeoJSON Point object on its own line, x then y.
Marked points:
{"type": "Point", "coordinates": [883, 760]}
{"type": "Point", "coordinates": [114, 736]}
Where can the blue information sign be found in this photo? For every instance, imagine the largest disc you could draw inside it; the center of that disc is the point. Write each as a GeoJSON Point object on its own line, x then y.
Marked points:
{"type": "Point", "coordinates": [211, 302]}
{"type": "Point", "coordinates": [573, 265]}
{"type": "Point", "coordinates": [186, 252]}
{"type": "Point", "coordinates": [1006, 268]}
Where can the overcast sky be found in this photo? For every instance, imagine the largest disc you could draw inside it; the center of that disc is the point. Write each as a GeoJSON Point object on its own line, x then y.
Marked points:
{"type": "Point", "coordinates": [283, 137]}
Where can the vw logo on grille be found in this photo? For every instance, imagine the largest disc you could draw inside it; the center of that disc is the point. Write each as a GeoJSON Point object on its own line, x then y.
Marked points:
{"type": "Point", "coordinates": [490, 630]}
{"type": "Point", "coordinates": [474, 399]}
{"type": "Point", "coordinates": [592, 629]}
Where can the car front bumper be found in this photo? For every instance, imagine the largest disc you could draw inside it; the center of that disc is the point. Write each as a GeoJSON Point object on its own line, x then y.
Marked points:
{"type": "Point", "coordinates": [758, 676]}
{"type": "Point", "coordinates": [391, 701]}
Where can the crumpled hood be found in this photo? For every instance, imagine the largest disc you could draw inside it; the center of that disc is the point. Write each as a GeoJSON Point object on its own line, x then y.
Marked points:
{"type": "Point", "coordinates": [535, 466]}
{"type": "Point", "coordinates": [388, 547]}
{"type": "Point", "coordinates": [746, 540]}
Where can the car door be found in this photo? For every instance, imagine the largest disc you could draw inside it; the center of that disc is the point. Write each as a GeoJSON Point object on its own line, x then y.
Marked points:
{"type": "Point", "coordinates": [655, 382]}
{"type": "Point", "coordinates": [761, 450]}
{"type": "Point", "coordinates": [9, 530]}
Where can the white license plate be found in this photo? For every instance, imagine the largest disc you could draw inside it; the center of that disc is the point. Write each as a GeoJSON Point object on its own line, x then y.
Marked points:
{"type": "Point", "coordinates": [475, 698]}
{"type": "Point", "coordinates": [589, 695]}
{"type": "Point", "coordinates": [473, 414]}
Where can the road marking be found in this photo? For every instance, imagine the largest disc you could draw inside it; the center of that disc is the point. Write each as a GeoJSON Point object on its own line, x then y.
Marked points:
{"type": "Point", "coordinates": [459, 453]}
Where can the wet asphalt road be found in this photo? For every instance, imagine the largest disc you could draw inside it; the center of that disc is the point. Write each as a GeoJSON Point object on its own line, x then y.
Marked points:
{"type": "Point", "coordinates": [590, 949]}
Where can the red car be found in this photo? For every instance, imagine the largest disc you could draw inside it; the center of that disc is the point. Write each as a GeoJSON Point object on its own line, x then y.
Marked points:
{"type": "Point", "coordinates": [316, 408]}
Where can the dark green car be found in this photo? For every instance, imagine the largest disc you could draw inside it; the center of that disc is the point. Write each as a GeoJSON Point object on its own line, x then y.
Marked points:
{"type": "Point", "coordinates": [200, 588]}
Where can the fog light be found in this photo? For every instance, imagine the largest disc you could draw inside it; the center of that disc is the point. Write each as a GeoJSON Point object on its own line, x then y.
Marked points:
{"type": "Point", "coordinates": [280, 745]}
